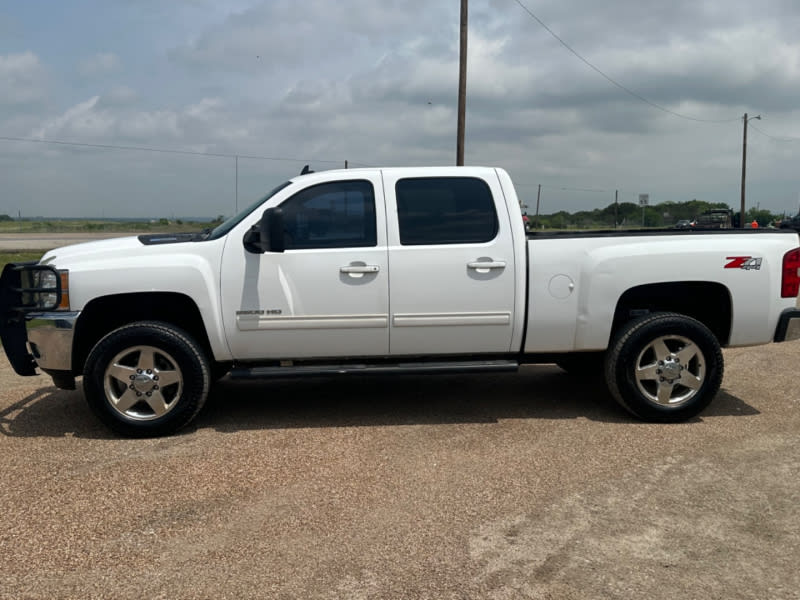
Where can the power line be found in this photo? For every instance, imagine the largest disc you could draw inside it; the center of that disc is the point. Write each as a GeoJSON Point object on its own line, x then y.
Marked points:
{"type": "Point", "coordinates": [772, 137]}
{"type": "Point", "coordinates": [171, 151]}
{"type": "Point", "coordinates": [616, 83]}
{"type": "Point", "coordinates": [570, 189]}
{"type": "Point", "coordinates": [567, 189]}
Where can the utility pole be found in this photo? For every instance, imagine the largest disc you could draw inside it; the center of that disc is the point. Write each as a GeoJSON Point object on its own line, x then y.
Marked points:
{"type": "Point", "coordinates": [744, 163]}
{"type": "Point", "coordinates": [616, 208]}
{"type": "Point", "coordinates": [538, 197]}
{"type": "Point", "coordinates": [236, 193]}
{"type": "Point", "coordinates": [462, 87]}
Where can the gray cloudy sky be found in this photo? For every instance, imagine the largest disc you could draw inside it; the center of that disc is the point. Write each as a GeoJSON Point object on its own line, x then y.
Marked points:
{"type": "Point", "coordinates": [375, 82]}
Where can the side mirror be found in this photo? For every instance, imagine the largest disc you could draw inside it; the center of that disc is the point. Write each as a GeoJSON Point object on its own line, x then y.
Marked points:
{"type": "Point", "coordinates": [267, 235]}
{"type": "Point", "coordinates": [271, 230]}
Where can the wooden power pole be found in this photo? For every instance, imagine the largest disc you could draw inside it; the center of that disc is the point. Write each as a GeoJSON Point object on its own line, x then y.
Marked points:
{"type": "Point", "coordinates": [462, 87]}
{"type": "Point", "coordinates": [744, 162]}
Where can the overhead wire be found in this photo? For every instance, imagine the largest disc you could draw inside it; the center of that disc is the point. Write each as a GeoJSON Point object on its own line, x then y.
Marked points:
{"type": "Point", "coordinates": [774, 137]}
{"type": "Point", "coordinates": [173, 151]}
{"type": "Point", "coordinates": [613, 81]}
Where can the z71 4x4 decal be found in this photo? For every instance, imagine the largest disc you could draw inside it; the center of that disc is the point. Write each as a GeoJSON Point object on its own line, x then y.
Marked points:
{"type": "Point", "coordinates": [743, 262]}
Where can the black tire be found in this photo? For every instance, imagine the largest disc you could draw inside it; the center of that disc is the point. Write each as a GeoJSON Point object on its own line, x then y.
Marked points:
{"type": "Point", "coordinates": [664, 367]}
{"type": "Point", "coordinates": [146, 379]}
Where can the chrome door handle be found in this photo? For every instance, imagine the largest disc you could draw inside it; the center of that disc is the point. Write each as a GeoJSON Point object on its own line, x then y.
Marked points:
{"type": "Point", "coordinates": [360, 269]}
{"type": "Point", "coordinates": [487, 265]}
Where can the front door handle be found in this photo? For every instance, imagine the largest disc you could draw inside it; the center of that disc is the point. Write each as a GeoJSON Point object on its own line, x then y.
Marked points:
{"type": "Point", "coordinates": [499, 264]}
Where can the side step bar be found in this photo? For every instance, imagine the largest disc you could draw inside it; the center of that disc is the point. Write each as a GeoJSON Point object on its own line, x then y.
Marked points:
{"type": "Point", "coordinates": [466, 366]}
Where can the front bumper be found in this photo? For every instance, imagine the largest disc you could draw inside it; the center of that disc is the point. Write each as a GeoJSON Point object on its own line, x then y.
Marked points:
{"type": "Point", "coordinates": [50, 339]}
{"type": "Point", "coordinates": [32, 333]}
{"type": "Point", "coordinates": [788, 326]}
{"type": "Point", "coordinates": [39, 339]}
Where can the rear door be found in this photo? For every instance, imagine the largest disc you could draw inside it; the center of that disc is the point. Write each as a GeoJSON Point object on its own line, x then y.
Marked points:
{"type": "Point", "coordinates": [452, 284]}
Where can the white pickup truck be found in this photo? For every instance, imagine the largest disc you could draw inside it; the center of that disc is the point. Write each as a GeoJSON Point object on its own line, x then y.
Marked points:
{"type": "Point", "coordinates": [401, 270]}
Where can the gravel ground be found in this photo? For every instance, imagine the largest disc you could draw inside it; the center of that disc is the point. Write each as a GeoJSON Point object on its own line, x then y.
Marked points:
{"type": "Point", "coordinates": [532, 485]}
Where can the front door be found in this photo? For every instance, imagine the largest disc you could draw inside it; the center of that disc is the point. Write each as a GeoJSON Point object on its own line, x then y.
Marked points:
{"type": "Point", "coordinates": [327, 294]}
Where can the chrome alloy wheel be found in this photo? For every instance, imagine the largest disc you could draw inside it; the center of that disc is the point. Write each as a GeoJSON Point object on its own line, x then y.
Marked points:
{"type": "Point", "coordinates": [670, 370]}
{"type": "Point", "coordinates": [143, 383]}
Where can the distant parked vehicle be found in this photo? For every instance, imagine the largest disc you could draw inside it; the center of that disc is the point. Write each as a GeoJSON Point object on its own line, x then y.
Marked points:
{"type": "Point", "coordinates": [683, 224]}
{"type": "Point", "coordinates": [791, 222]}
{"type": "Point", "coordinates": [717, 218]}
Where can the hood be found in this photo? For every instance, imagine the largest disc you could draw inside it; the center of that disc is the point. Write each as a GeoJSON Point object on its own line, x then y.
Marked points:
{"type": "Point", "coordinates": [100, 248]}
{"type": "Point", "coordinates": [118, 249]}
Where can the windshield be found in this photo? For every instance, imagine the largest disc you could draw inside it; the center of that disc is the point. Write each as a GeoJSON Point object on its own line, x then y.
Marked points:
{"type": "Point", "coordinates": [223, 228]}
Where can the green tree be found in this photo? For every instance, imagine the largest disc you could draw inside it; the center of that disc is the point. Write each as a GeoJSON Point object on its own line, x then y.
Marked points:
{"type": "Point", "coordinates": [761, 216]}
{"type": "Point", "coordinates": [629, 215]}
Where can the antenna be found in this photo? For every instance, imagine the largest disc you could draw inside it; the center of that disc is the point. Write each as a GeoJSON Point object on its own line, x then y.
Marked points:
{"type": "Point", "coordinates": [306, 171]}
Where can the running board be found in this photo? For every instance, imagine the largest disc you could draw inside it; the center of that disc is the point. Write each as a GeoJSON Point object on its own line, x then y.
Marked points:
{"type": "Point", "coordinates": [382, 369]}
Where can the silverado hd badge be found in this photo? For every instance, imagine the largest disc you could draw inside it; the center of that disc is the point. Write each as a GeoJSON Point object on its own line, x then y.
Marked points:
{"type": "Point", "coordinates": [743, 262]}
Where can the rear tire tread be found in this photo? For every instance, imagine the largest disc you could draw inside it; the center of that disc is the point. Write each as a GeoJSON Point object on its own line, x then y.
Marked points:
{"type": "Point", "coordinates": [620, 348]}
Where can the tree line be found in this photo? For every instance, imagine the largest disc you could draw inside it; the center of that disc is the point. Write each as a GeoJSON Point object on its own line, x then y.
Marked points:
{"type": "Point", "coordinates": [630, 215]}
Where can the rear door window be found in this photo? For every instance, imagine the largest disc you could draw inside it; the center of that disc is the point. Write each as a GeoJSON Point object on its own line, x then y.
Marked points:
{"type": "Point", "coordinates": [445, 210]}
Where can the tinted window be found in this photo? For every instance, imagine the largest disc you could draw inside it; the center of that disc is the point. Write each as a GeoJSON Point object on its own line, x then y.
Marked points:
{"type": "Point", "coordinates": [224, 228]}
{"type": "Point", "coordinates": [445, 210]}
{"type": "Point", "coordinates": [331, 215]}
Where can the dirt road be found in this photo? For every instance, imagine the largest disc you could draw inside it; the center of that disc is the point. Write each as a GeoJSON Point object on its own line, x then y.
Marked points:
{"type": "Point", "coordinates": [516, 486]}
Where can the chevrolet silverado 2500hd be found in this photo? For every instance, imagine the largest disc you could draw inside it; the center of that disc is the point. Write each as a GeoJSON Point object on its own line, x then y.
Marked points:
{"type": "Point", "coordinates": [425, 270]}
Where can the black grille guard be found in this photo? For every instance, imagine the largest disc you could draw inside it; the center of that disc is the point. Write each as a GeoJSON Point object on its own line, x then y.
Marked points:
{"type": "Point", "coordinates": [16, 300]}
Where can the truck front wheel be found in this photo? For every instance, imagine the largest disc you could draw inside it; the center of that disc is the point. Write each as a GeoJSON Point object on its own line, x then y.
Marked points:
{"type": "Point", "coordinates": [664, 367]}
{"type": "Point", "coordinates": [146, 379]}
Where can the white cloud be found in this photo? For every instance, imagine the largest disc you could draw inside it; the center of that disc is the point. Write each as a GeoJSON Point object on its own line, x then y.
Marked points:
{"type": "Point", "coordinates": [376, 82]}
{"type": "Point", "coordinates": [148, 125]}
{"type": "Point", "coordinates": [80, 120]}
{"type": "Point", "coordinates": [21, 78]}
{"type": "Point", "coordinates": [309, 36]}
{"type": "Point", "coordinates": [198, 125]}
{"type": "Point", "coordinates": [100, 64]}
{"type": "Point", "coordinates": [205, 109]}
{"type": "Point", "coordinates": [120, 95]}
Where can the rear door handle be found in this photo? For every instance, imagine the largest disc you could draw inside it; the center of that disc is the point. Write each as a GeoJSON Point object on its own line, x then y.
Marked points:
{"type": "Point", "coordinates": [487, 265]}
{"type": "Point", "coordinates": [355, 269]}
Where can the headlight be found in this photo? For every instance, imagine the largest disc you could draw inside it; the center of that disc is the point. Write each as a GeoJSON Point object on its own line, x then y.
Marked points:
{"type": "Point", "coordinates": [41, 288]}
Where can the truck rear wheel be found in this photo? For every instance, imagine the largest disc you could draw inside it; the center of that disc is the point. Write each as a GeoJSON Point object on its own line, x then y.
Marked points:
{"type": "Point", "coordinates": [664, 367]}
{"type": "Point", "coordinates": [146, 379]}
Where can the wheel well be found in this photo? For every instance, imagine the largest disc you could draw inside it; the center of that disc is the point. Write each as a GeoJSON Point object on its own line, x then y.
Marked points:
{"type": "Point", "coordinates": [708, 302]}
{"type": "Point", "coordinates": [103, 315]}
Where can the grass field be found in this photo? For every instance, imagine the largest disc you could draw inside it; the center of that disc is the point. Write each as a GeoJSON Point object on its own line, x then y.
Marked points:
{"type": "Point", "coordinates": [8, 256]}
{"type": "Point", "coordinates": [79, 226]}
{"type": "Point", "coordinates": [85, 226]}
